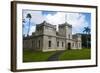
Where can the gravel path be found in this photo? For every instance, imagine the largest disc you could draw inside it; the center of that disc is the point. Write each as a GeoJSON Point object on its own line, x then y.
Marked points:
{"type": "Point", "coordinates": [55, 56]}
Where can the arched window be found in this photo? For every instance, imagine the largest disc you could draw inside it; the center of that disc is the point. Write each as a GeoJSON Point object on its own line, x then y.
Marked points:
{"type": "Point", "coordinates": [39, 43]}
{"type": "Point", "coordinates": [62, 44]}
{"type": "Point", "coordinates": [57, 43]}
{"type": "Point", "coordinates": [49, 43]}
{"type": "Point", "coordinates": [73, 44]}
{"type": "Point", "coordinates": [79, 44]}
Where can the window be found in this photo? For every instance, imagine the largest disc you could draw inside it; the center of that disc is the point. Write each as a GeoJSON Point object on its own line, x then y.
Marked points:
{"type": "Point", "coordinates": [35, 43]}
{"type": "Point", "coordinates": [32, 43]}
{"type": "Point", "coordinates": [39, 43]}
{"type": "Point", "coordinates": [76, 45]}
{"type": "Point", "coordinates": [49, 43]}
{"type": "Point", "coordinates": [73, 44]}
{"type": "Point", "coordinates": [62, 44]}
{"type": "Point", "coordinates": [79, 44]}
{"type": "Point", "coordinates": [58, 44]}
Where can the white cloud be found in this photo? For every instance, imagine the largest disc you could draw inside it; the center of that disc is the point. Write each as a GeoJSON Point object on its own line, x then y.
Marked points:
{"type": "Point", "coordinates": [37, 18]}
{"type": "Point", "coordinates": [32, 29]}
{"type": "Point", "coordinates": [77, 20]}
{"type": "Point", "coordinates": [56, 19]}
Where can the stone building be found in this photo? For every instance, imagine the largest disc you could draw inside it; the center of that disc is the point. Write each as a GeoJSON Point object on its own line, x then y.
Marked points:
{"type": "Point", "coordinates": [46, 38]}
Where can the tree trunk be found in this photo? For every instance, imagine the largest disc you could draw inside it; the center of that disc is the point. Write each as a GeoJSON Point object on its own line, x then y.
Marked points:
{"type": "Point", "coordinates": [28, 28]}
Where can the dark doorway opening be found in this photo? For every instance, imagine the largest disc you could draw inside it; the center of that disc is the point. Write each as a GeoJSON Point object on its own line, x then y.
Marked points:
{"type": "Point", "coordinates": [49, 44]}
{"type": "Point", "coordinates": [69, 46]}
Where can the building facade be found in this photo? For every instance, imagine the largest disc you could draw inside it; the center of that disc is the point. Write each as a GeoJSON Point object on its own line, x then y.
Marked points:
{"type": "Point", "coordinates": [46, 38]}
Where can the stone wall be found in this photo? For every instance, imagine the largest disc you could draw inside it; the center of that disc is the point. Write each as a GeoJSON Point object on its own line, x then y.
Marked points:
{"type": "Point", "coordinates": [60, 43]}
{"type": "Point", "coordinates": [46, 45]}
{"type": "Point", "coordinates": [45, 38]}
{"type": "Point", "coordinates": [27, 43]}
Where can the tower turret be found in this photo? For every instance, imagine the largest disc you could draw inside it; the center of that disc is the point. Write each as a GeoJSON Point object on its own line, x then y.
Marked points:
{"type": "Point", "coordinates": [65, 30]}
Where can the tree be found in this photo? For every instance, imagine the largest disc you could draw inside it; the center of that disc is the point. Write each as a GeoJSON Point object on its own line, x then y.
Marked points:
{"type": "Point", "coordinates": [29, 17]}
{"type": "Point", "coordinates": [87, 32]}
{"type": "Point", "coordinates": [23, 21]}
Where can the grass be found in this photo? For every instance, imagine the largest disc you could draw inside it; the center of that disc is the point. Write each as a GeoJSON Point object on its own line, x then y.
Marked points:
{"type": "Point", "coordinates": [76, 54]}
{"type": "Point", "coordinates": [34, 56]}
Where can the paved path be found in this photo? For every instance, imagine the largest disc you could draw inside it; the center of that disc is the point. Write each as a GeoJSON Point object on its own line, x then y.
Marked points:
{"type": "Point", "coordinates": [55, 56]}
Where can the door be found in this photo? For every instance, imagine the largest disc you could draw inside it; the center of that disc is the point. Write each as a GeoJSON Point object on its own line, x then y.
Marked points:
{"type": "Point", "coordinates": [69, 46]}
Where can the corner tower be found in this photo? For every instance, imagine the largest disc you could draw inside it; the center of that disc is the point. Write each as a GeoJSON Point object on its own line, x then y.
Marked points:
{"type": "Point", "coordinates": [65, 30]}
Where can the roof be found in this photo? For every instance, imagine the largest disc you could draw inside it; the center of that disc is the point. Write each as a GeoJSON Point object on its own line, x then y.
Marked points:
{"type": "Point", "coordinates": [65, 24]}
{"type": "Point", "coordinates": [44, 23]}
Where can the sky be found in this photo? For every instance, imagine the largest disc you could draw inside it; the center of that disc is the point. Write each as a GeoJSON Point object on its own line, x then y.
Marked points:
{"type": "Point", "coordinates": [77, 20]}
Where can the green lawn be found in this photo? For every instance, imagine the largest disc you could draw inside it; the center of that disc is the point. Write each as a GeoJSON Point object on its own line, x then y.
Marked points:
{"type": "Point", "coordinates": [34, 56]}
{"type": "Point", "coordinates": [76, 54]}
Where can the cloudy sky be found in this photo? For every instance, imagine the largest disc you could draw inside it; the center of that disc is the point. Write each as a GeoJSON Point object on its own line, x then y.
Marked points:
{"type": "Point", "coordinates": [77, 20]}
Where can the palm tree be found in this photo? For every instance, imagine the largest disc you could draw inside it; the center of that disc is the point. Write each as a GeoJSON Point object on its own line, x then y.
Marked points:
{"type": "Point", "coordinates": [29, 17]}
{"type": "Point", "coordinates": [23, 26]}
{"type": "Point", "coordinates": [87, 32]}
{"type": "Point", "coordinates": [23, 21]}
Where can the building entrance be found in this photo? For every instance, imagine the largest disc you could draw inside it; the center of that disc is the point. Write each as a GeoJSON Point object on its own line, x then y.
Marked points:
{"type": "Point", "coordinates": [69, 46]}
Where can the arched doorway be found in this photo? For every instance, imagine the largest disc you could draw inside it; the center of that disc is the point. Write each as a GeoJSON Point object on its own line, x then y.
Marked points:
{"type": "Point", "coordinates": [69, 46]}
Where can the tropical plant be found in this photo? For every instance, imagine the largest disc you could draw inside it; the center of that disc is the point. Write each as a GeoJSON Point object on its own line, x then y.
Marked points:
{"type": "Point", "coordinates": [87, 32]}
{"type": "Point", "coordinates": [23, 21]}
{"type": "Point", "coordinates": [23, 26]}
